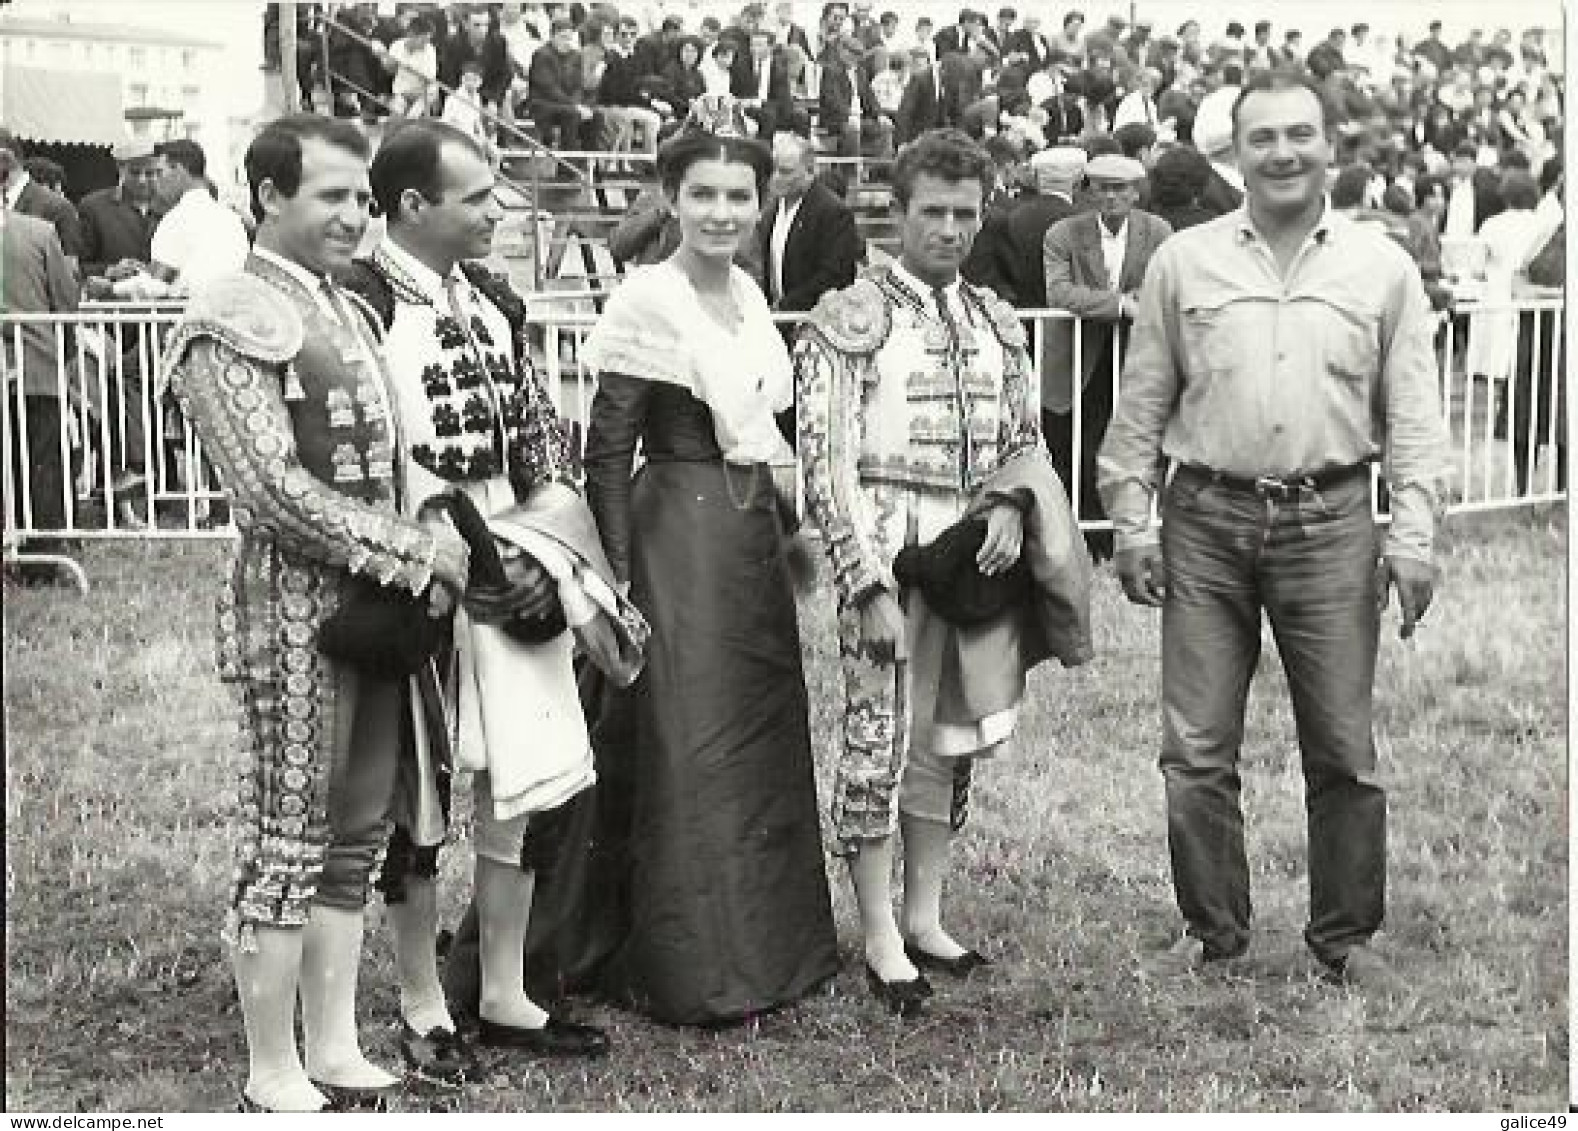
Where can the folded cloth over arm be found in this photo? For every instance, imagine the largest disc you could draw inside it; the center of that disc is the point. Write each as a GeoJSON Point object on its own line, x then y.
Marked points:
{"type": "Point", "coordinates": [520, 716]}
{"type": "Point", "coordinates": [978, 671]}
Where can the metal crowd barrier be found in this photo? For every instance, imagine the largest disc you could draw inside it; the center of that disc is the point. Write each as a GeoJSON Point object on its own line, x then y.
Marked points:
{"type": "Point", "coordinates": [126, 465]}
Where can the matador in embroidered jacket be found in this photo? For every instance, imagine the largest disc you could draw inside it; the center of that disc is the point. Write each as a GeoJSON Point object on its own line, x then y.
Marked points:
{"type": "Point", "coordinates": [279, 372]}
{"type": "Point", "coordinates": [911, 399]}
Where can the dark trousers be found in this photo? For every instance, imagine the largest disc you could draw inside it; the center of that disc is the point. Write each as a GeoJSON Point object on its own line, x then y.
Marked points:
{"type": "Point", "coordinates": [1535, 421]}
{"type": "Point", "coordinates": [39, 450]}
{"type": "Point", "coordinates": [562, 128]}
{"type": "Point", "coordinates": [1057, 429]}
{"type": "Point", "coordinates": [1311, 566]}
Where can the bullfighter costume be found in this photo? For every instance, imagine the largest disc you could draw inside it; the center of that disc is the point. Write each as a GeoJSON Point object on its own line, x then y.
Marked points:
{"type": "Point", "coordinates": [475, 418]}
{"type": "Point", "coordinates": [912, 400]}
{"type": "Point", "coordinates": [279, 372]}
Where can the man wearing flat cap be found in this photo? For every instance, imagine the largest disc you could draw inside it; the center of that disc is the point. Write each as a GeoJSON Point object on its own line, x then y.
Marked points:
{"type": "Point", "coordinates": [1093, 263]}
{"type": "Point", "coordinates": [118, 222]}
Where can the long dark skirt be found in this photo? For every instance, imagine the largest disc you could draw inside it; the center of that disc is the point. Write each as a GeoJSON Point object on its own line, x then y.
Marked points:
{"type": "Point", "coordinates": [691, 884]}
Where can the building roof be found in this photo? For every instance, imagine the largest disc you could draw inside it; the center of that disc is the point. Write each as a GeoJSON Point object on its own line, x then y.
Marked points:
{"type": "Point", "coordinates": [14, 26]}
{"type": "Point", "coordinates": [49, 105]}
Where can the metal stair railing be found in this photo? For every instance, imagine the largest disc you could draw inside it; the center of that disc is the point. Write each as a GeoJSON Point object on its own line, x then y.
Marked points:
{"type": "Point", "coordinates": [532, 145]}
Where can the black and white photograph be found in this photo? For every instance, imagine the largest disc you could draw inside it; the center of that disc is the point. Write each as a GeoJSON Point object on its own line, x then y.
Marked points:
{"type": "Point", "coordinates": [686, 556]}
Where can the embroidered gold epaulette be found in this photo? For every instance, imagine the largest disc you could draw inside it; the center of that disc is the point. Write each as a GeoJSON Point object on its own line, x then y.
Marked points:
{"type": "Point", "coordinates": [855, 319]}
{"type": "Point", "coordinates": [244, 313]}
{"type": "Point", "coordinates": [1005, 323]}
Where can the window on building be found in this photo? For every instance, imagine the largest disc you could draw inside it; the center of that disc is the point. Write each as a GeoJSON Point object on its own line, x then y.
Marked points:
{"type": "Point", "coordinates": [87, 52]}
{"type": "Point", "coordinates": [191, 93]}
{"type": "Point", "coordinates": [188, 59]}
{"type": "Point", "coordinates": [137, 57]}
{"type": "Point", "coordinates": [139, 127]}
{"type": "Point", "coordinates": [138, 93]}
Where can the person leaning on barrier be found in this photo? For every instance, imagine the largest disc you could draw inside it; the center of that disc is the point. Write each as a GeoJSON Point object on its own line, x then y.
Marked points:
{"type": "Point", "coordinates": [279, 372]}
{"type": "Point", "coordinates": [1279, 351]}
{"type": "Point", "coordinates": [1094, 263]}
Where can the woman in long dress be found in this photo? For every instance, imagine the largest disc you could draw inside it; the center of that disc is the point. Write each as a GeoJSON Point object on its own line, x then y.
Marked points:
{"type": "Point", "coordinates": [726, 909]}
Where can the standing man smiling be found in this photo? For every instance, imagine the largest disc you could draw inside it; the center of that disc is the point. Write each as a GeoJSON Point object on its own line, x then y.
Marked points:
{"type": "Point", "coordinates": [1279, 351]}
{"type": "Point", "coordinates": [279, 370]}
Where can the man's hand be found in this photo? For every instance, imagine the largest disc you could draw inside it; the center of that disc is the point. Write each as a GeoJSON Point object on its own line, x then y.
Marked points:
{"type": "Point", "coordinates": [882, 630]}
{"type": "Point", "coordinates": [1005, 535]}
{"type": "Point", "coordinates": [1143, 572]}
{"type": "Point", "coordinates": [1415, 582]}
{"type": "Point", "coordinates": [529, 592]}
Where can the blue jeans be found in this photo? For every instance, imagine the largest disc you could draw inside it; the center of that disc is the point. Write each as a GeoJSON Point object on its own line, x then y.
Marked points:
{"type": "Point", "coordinates": [1310, 564]}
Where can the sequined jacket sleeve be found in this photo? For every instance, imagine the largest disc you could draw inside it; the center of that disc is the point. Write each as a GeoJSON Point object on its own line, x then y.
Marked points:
{"type": "Point", "coordinates": [237, 408]}
{"type": "Point", "coordinates": [830, 382]}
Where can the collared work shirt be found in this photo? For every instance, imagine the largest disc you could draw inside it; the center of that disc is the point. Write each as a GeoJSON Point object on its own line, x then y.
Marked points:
{"type": "Point", "coordinates": [1234, 367]}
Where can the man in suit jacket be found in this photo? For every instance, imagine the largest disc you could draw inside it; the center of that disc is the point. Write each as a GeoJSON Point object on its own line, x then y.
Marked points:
{"type": "Point", "coordinates": [763, 89]}
{"type": "Point", "coordinates": [807, 235]}
{"type": "Point", "coordinates": [30, 198]}
{"type": "Point", "coordinates": [957, 39]}
{"type": "Point", "coordinates": [847, 107]}
{"type": "Point", "coordinates": [1028, 41]}
{"type": "Point", "coordinates": [1056, 171]}
{"type": "Point", "coordinates": [1094, 263]}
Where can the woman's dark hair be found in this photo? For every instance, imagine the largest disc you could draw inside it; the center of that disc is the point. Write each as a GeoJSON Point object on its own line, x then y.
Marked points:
{"type": "Point", "coordinates": [411, 158]}
{"type": "Point", "coordinates": [275, 154]}
{"type": "Point", "coordinates": [692, 145]}
{"type": "Point", "coordinates": [1519, 190]}
{"type": "Point", "coordinates": [949, 154]}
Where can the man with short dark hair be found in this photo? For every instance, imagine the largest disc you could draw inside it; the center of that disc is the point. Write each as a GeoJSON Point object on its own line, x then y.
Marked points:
{"type": "Point", "coordinates": [199, 238]}
{"type": "Point", "coordinates": [1279, 353]}
{"type": "Point", "coordinates": [474, 419]}
{"type": "Point", "coordinates": [1433, 48]}
{"type": "Point", "coordinates": [763, 89]}
{"type": "Point", "coordinates": [895, 454]}
{"type": "Point", "coordinates": [27, 195]}
{"type": "Point", "coordinates": [848, 109]}
{"type": "Point", "coordinates": [279, 371]}
{"type": "Point", "coordinates": [555, 86]}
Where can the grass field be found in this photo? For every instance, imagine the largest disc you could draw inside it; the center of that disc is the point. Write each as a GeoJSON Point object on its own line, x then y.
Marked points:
{"type": "Point", "coordinates": [120, 776]}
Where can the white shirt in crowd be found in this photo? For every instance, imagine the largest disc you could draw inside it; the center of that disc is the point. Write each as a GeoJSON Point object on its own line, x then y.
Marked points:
{"type": "Point", "coordinates": [416, 68]}
{"type": "Point", "coordinates": [1113, 247]}
{"type": "Point", "coordinates": [715, 75]}
{"type": "Point", "coordinates": [465, 114]}
{"type": "Point", "coordinates": [1460, 209]}
{"type": "Point", "coordinates": [1136, 107]}
{"type": "Point", "coordinates": [787, 209]}
{"type": "Point", "coordinates": [199, 239]}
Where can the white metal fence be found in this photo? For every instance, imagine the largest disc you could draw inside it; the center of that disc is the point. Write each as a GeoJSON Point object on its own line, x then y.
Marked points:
{"type": "Point", "coordinates": [120, 462]}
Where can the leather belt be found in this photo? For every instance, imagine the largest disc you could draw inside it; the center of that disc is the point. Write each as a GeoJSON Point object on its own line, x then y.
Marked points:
{"type": "Point", "coordinates": [1281, 488]}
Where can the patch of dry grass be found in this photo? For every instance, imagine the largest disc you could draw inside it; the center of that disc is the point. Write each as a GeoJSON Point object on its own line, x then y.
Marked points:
{"type": "Point", "coordinates": [121, 773]}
